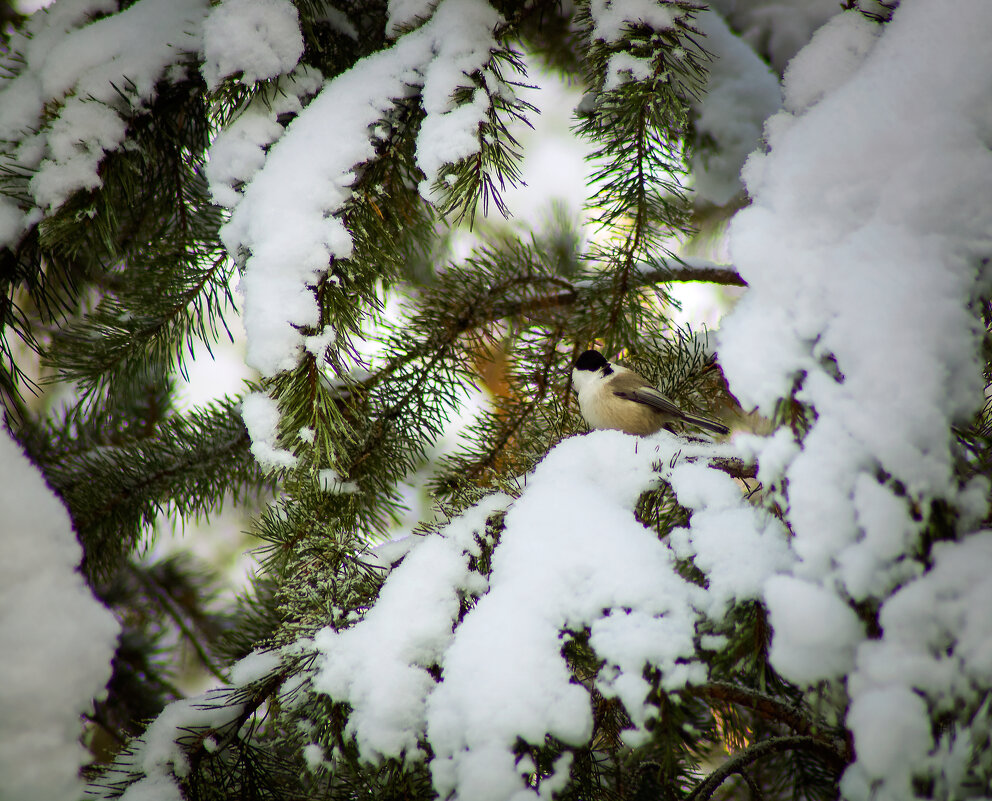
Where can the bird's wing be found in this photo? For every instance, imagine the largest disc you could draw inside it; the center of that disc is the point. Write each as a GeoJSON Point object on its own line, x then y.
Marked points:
{"type": "Point", "coordinates": [636, 389]}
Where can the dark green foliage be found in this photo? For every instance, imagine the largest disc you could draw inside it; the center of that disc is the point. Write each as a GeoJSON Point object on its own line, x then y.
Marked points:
{"type": "Point", "coordinates": [118, 473]}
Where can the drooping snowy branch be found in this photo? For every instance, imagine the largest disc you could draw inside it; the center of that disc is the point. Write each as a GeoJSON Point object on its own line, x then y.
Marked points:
{"type": "Point", "coordinates": [238, 151]}
{"type": "Point", "coordinates": [571, 557]}
{"type": "Point", "coordinates": [89, 72]}
{"type": "Point", "coordinates": [289, 220]}
{"type": "Point", "coordinates": [863, 251]}
{"type": "Point", "coordinates": [193, 727]}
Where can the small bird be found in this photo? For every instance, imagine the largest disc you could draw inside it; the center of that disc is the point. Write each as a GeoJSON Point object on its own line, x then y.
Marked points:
{"type": "Point", "coordinates": [611, 396]}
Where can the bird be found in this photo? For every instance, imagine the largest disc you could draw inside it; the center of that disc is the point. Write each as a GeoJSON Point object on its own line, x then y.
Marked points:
{"type": "Point", "coordinates": [615, 397]}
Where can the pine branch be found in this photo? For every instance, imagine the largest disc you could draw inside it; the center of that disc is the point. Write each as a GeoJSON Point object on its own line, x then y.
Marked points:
{"type": "Point", "coordinates": [152, 238]}
{"type": "Point", "coordinates": [765, 705]}
{"type": "Point", "coordinates": [638, 124]}
{"type": "Point", "coordinates": [486, 174]}
{"type": "Point", "coordinates": [167, 603]}
{"type": "Point", "coordinates": [185, 465]}
{"type": "Point", "coordinates": [739, 761]}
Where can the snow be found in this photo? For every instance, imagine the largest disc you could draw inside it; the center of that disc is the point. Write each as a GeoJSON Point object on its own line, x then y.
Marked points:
{"type": "Point", "coordinates": [331, 481]}
{"type": "Point", "coordinates": [737, 546]}
{"type": "Point", "coordinates": [380, 666]}
{"type": "Point", "coordinates": [571, 556]}
{"type": "Point", "coordinates": [863, 288]}
{"type": "Point", "coordinates": [891, 736]}
{"type": "Point", "coordinates": [62, 111]}
{"type": "Point", "coordinates": [288, 219]}
{"type": "Point", "coordinates": [937, 633]}
{"type": "Point", "coordinates": [833, 57]}
{"type": "Point", "coordinates": [777, 29]}
{"type": "Point", "coordinates": [56, 639]}
{"type": "Point", "coordinates": [86, 70]}
{"type": "Point", "coordinates": [12, 221]}
{"type": "Point", "coordinates": [612, 18]}
{"type": "Point", "coordinates": [159, 756]}
{"type": "Point", "coordinates": [254, 667]}
{"type": "Point", "coordinates": [623, 67]}
{"type": "Point", "coordinates": [259, 39]}
{"type": "Point", "coordinates": [261, 416]}
{"type": "Point", "coordinates": [463, 41]}
{"type": "Point", "coordinates": [815, 631]}
{"type": "Point", "coordinates": [859, 288]}
{"type": "Point", "coordinates": [313, 756]}
{"type": "Point", "coordinates": [874, 565]}
{"type": "Point", "coordinates": [404, 13]}
{"type": "Point", "coordinates": [238, 151]}
{"type": "Point", "coordinates": [741, 92]}
{"type": "Point", "coordinates": [862, 260]}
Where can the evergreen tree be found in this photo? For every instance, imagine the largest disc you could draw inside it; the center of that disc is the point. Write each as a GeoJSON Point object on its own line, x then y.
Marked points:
{"type": "Point", "coordinates": [584, 616]}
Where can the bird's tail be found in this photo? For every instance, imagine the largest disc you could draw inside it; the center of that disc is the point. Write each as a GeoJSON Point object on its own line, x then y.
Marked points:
{"type": "Point", "coordinates": [705, 422]}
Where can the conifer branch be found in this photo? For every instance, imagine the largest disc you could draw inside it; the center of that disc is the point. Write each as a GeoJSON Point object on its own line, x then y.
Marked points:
{"type": "Point", "coordinates": [687, 274]}
{"type": "Point", "coordinates": [765, 705]}
{"type": "Point", "coordinates": [114, 487]}
{"type": "Point", "coordinates": [170, 607]}
{"type": "Point", "coordinates": [739, 761]}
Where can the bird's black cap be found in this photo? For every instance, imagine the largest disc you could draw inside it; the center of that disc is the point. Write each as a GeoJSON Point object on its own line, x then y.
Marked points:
{"type": "Point", "coordinates": [591, 360]}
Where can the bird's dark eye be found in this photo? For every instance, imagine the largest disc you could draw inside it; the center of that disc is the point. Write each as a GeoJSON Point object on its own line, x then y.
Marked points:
{"type": "Point", "coordinates": [590, 360]}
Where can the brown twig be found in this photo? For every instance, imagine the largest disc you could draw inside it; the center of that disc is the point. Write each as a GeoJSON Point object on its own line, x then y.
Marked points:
{"type": "Point", "coordinates": [736, 468]}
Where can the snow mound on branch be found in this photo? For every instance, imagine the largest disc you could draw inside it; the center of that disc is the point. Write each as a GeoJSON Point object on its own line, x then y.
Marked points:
{"type": "Point", "coordinates": [258, 38]}
{"type": "Point", "coordinates": [572, 556]}
{"type": "Point", "coordinates": [403, 13]}
{"type": "Point", "coordinates": [741, 93]}
{"type": "Point", "coordinates": [238, 151]}
{"type": "Point", "coordinates": [56, 639]}
{"type": "Point", "coordinates": [612, 18]}
{"type": "Point", "coordinates": [778, 28]}
{"type": "Point", "coordinates": [160, 756]}
{"type": "Point", "coordinates": [261, 416]}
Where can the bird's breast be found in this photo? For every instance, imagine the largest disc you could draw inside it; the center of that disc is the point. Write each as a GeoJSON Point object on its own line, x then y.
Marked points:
{"type": "Point", "coordinates": [605, 410]}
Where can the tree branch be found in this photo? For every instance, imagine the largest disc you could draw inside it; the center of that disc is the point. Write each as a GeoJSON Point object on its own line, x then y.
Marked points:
{"type": "Point", "coordinates": [172, 609]}
{"type": "Point", "coordinates": [725, 276]}
{"type": "Point", "coordinates": [737, 762]}
{"type": "Point", "coordinates": [765, 705]}
{"type": "Point", "coordinates": [735, 468]}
